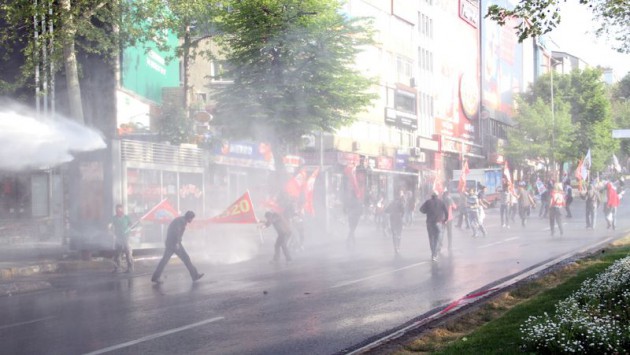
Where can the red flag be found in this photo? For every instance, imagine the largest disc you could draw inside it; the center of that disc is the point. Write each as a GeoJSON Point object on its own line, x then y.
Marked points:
{"type": "Point", "coordinates": [461, 186]}
{"type": "Point", "coordinates": [578, 171]}
{"type": "Point", "coordinates": [241, 212]}
{"type": "Point", "coordinates": [296, 184]}
{"type": "Point", "coordinates": [163, 212]}
{"type": "Point", "coordinates": [351, 174]}
{"type": "Point", "coordinates": [308, 193]}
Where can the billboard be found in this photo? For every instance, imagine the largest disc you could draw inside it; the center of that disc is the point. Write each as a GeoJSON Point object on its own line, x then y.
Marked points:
{"type": "Point", "coordinates": [502, 69]}
{"type": "Point", "coordinates": [146, 69]}
{"type": "Point", "coordinates": [456, 74]}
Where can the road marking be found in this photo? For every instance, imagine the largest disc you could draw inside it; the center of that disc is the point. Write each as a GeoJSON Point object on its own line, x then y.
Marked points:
{"type": "Point", "coordinates": [25, 323]}
{"type": "Point", "coordinates": [348, 283]}
{"type": "Point", "coordinates": [497, 243]}
{"type": "Point", "coordinates": [154, 336]}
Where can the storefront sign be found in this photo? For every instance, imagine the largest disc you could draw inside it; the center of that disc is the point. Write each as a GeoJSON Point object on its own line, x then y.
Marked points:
{"type": "Point", "coordinates": [384, 163]}
{"type": "Point", "coordinates": [428, 144]}
{"type": "Point", "coordinates": [345, 158]}
{"type": "Point", "coordinates": [243, 154]}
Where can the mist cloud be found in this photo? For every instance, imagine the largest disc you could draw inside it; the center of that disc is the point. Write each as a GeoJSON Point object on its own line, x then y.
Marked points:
{"type": "Point", "coordinates": [27, 142]}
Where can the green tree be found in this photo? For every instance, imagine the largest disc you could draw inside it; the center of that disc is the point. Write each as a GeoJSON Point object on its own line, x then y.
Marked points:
{"type": "Point", "coordinates": [542, 16]}
{"type": "Point", "coordinates": [63, 28]}
{"type": "Point", "coordinates": [590, 112]}
{"type": "Point", "coordinates": [292, 66]}
{"type": "Point", "coordinates": [620, 108]}
{"type": "Point", "coordinates": [539, 134]}
{"type": "Point", "coordinates": [192, 21]}
{"type": "Point", "coordinates": [174, 125]}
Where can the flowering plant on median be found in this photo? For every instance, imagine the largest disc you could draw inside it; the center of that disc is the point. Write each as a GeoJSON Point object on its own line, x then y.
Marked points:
{"type": "Point", "coordinates": [594, 319]}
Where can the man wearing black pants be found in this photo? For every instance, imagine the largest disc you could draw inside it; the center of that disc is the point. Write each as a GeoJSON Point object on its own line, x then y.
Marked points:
{"type": "Point", "coordinates": [437, 213]}
{"type": "Point", "coordinates": [173, 245]}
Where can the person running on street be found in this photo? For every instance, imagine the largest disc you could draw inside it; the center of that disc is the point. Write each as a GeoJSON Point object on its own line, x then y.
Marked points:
{"type": "Point", "coordinates": [437, 213]}
{"type": "Point", "coordinates": [525, 204]}
{"type": "Point", "coordinates": [283, 228]}
{"type": "Point", "coordinates": [556, 204]}
{"type": "Point", "coordinates": [568, 197]}
{"type": "Point", "coordinates": [173, 245]}
{"type": "Point", "coordinates": [592, 201]}
{"type": "Point", "coordinates": [505, 204]}
{"type": "Point", "coordinates": [476, 214]}
{"type": "Point", "coordinates": [610, 208]}
{"type": "Point", "coordinates": [448, 225]}
{"type": "Point", "coordinates": [396, 211]}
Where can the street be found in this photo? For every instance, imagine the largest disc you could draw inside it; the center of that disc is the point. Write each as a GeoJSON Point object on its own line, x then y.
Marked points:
{"type": "Point", "coordinates": [328, 300]}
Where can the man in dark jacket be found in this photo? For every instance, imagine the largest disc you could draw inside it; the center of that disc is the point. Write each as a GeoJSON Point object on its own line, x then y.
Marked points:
{"type": "Point", "coordinates": [173, 245]}
{"type": "Point", "coordinates": [437, 213]}
{"type": "Point", "coordinates": [283, 229]}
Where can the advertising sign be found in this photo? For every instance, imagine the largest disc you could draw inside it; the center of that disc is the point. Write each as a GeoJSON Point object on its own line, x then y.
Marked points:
{"type": "Point", "coordinates": [502, 58]}
{"type": "Point", "coordinates": [146, 69]}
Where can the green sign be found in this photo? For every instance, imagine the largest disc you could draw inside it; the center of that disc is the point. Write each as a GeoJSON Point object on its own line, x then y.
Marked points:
{"type": "Point", "coordinates": [146, 70]}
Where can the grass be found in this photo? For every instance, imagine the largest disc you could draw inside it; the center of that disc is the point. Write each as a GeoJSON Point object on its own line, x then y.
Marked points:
{"type": "Point", "coordinates": [493, 328]}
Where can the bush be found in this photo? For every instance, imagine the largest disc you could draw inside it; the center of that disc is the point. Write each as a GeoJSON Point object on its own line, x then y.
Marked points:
{"type": "Point", "coordinates": [594, 319]}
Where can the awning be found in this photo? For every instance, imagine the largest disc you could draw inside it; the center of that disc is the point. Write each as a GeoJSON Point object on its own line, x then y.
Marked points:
{"type": "Point", "coordinates": [394, 172]}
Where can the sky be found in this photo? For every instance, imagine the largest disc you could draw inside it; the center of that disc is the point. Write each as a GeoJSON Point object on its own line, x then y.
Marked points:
{"type": "Point", "coordinates": [576, 35]}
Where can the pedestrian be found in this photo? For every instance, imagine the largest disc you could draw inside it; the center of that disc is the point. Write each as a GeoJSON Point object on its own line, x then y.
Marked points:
{"type": "Point", "coordinates": [120, 226]}
{"type": "Point", "coordinates": [545, 198]}
{"type": "Point", "coordinates": [556, 204]}
{"type": "Point", "coordinates": [525, 204]}
{"type": "Point", "coordinates": [462, 212]}
{"type": "Point", "coordinates": [282, 227]}
{"type": "Point", "coordinates": [410, 207]}
{"type": "Point", "coordinates": [354, 209]}
{"type": "Point", "coordinates": [505, 203]}
{"type": "Point", "coordinates": [173, 245]}
{"type": "Point", "coordinates": [592, 201]}
{"type": "Point", "coordinates": [448, 225]}
{"type": "Point", "coordinates": [476, 214]}
{"type": "Point", "coordinates": [396, 211]}
{"type": "Point", "coordinates": [568, 197]}
{"type": "Point", "coordinates": [610, 208]}
{"type": "Point", "coordinates": [437, 213]}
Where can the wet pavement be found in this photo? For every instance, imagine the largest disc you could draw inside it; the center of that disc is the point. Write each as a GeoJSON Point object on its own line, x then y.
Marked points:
{"type": "Point", "coordinates": [328, 300]}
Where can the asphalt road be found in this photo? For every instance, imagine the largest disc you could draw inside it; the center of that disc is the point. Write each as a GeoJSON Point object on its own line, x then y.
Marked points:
{"type": "Point", "coordinates": [328, 300]}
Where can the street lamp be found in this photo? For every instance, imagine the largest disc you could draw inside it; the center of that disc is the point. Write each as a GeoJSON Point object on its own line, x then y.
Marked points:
{"type": "Point", "coordinates": [553, 120]}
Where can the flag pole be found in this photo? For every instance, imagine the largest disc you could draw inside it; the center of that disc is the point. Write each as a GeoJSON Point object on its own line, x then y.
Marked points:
{"type": "Point", "coordinates": [146, 214]}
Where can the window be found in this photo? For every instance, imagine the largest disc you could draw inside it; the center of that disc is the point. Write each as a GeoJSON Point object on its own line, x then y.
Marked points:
{"type": "Point", "coordinates": [220, 71]}
{"type": "Point", "coordinates": [405, 102]}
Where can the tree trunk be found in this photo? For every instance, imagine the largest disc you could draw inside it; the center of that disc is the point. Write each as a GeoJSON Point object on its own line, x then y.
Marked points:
{"type": "Point", "coordinates": [186, 59]}
{"type": "Point", "coordinates": [70, 64]}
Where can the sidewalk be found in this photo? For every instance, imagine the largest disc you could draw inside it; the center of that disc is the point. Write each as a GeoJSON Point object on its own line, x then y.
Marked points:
{"type": "Point", "coordinates": [19, 261]}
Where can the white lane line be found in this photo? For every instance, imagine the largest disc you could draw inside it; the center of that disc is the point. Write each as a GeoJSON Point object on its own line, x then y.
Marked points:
{"type": "Point", "coordinates": [25, 323]}
{"type": "Point", "coordinates": [348, 283]}
{"type": "Point", "coordinates": [497, 243]}
{"type": "Point", "coordinates": [154, 336]}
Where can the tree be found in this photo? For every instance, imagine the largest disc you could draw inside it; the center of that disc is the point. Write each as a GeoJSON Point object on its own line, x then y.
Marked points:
{"type": "Point", "coordinates": [292, 66]}
{"type": "Point", "coordinates": [589, 109]}
{"type": "Point", "coordinates": [542, 16]}
{"type": "Point", "coordinates": [620, 108]}
{"type": "Point", "coordinates": [539, 134]}
{"type": "Point", "coordinates": [61, 27]}
{"type": "Point", "coordinates": [190, 20]}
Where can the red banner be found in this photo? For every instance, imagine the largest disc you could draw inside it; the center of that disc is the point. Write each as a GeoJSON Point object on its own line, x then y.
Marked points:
{"type": "Point", "coordinates": [163, 212]}
{"type": "Point", "coordinates": [308, 193]}
{"type": "Point", "coordinates": [295, 185]}
{"type": "Point", "coordinates": [241, 212]}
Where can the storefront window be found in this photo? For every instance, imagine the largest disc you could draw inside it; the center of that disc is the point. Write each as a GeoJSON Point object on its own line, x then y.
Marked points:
{"type": "Point", "coordinates": [15, 196]}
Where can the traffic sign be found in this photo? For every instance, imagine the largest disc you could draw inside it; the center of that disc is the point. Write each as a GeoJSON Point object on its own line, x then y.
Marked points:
{"type": "Point", "coordinates": [621, 133]}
